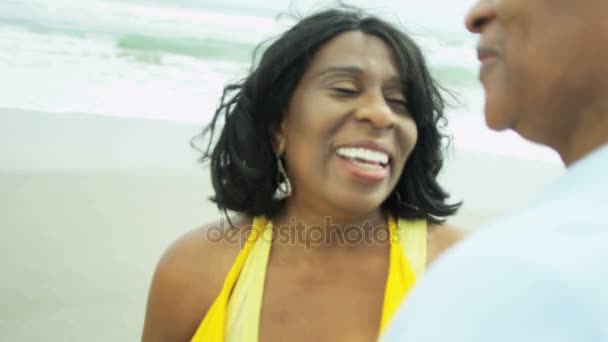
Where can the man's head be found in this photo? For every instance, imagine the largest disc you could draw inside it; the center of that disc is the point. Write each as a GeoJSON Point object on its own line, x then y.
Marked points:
{"type": "Point", "coordinates": [545, 71]}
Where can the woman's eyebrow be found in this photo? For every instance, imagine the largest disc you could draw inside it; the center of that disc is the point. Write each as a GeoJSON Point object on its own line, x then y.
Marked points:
{"type": "Point", "coordinates": [341, 69]}
{"type": "Point", "coordinates": [394, 82]}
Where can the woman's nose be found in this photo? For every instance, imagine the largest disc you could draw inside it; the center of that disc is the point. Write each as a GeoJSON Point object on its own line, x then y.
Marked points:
{"type": "Point", "coordinates": [376, 110]}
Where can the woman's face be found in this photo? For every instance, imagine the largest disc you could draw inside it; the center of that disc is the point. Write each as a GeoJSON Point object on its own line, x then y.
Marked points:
{"type": "Point", "coordinates": [347, 132]}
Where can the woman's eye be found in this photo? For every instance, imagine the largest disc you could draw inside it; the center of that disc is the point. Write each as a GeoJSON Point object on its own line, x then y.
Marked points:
{"type": "Point", "coordinates": [401, 104]}
{"type": "Point", "coordinates": [345, 91]}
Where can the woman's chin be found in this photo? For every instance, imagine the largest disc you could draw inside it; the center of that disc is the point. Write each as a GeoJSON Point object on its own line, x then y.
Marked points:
{"type": "Point", "coordinates": [355, 205]}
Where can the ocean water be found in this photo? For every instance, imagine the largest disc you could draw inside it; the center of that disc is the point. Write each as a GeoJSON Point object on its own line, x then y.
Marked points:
{"type": "Point", "coordinates": [169, 59]}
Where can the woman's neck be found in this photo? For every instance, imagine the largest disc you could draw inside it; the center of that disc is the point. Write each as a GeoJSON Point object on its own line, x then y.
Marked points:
{"type": "Point", "coordinates": [313, 230]}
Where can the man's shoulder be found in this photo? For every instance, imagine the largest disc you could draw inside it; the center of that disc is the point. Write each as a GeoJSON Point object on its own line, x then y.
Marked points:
{"type": "Point", "coordinates": [509, 281]}
{"type": "Point", "coordinates": [562, 241]}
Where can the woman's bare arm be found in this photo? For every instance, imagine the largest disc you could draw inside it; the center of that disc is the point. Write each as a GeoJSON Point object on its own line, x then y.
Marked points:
{"type": "Point", "coordinates": [188, 277]}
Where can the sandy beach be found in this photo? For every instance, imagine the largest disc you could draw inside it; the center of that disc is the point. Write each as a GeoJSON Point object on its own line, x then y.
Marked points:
{"type": "Point", "coordinates": [90, 202]}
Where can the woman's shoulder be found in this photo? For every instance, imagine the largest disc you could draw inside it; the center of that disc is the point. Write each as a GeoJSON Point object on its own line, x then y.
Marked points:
{"type": "Point", "coordinates": [188, 277]}
{"type": "Point", "coordinates": [205, 253]}
{"type": "Point", "coordinates": [441, 237]}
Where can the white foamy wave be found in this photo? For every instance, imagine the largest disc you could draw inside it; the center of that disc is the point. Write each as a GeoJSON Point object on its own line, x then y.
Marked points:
{"type": "Point", "coordinates": [59, 73]}
{"type": "Point", "coordinates": [124, 17]}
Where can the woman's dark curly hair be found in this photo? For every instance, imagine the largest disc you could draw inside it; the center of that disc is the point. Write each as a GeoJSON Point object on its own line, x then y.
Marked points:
{"type": "Point", "coordinates": [243, 163]}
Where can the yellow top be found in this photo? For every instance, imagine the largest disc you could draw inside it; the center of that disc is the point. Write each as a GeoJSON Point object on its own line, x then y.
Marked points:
{"type": "Point", "coordinates": [234, 315]}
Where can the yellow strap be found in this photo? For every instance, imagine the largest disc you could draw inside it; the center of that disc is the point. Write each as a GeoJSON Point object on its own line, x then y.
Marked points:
{"type": "Point", "coordinates": [408, 238]}
{"type": "Point", "coordinates": [245, 304]}
{"type": "Point", "coordinates": [212, 328]}
{"type": "Point", "coordinates": [413, 237]}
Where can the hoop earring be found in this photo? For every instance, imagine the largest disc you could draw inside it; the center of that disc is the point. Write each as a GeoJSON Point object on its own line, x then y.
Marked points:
{"type": "Point", "coordinates": [283, 190]}
{"type": "Point", "coordinates": [403, 203]}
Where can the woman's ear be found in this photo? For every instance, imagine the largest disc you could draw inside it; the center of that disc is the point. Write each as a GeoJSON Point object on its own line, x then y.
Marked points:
{"type": "Point", "coordinates": [278, 138]}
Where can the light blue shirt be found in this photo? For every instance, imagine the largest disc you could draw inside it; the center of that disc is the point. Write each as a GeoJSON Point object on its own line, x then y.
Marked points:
{"type": "Point", "coordinates": [540, 275]}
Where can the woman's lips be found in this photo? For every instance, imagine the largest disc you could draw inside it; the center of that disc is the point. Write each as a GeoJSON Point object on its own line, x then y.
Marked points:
{"type": "Point", "coordinates": [363, 171]}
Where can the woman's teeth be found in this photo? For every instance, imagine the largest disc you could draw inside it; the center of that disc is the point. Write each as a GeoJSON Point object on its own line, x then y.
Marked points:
{"type": "Point", "coordinates": [366, 165]}
{"type": "Point", "coordinates": [364, 157]}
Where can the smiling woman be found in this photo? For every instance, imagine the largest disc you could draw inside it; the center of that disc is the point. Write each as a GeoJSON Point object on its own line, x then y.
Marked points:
{"type": "Point", "coordinates": [329, 154]}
